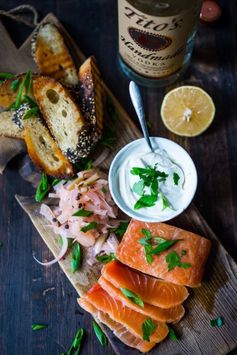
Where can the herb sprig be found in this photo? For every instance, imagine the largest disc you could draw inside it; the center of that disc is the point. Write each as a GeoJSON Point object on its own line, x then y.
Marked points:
{"type": "Point", "coordinates": [173, 259]}
{"type": "Point", "coordinates": [106, 258]}
{"type": "Point", "coordinates": [24, 85]}
{"type": "Point", "coordinates": [76, 344]}
{"type": "Point", "coordinates": [148, 187]}
{"type": "Point", "coordinates": [217, 322]}
{"type": "Point", "coordinates": [132, 296]}
{"type": "Point", "coordinates": [100, 334]}
{"type": "Point", "coordinates": [148, 328]}
{"type": "Point", "coordinates": [4, 76]}
{"type": "Point", "coordinates": [42, 188]}
{"type": "Point", "coordinates": [121, 229]}
{"type": "Point", "coordinates": [172, 334]}
{"type": "Point", "coordinates": [39, 326]}
{"type": "Point", "coordinates": [76, 257]}
{"type": "Point", "coordinates": [148, 242]}
{"type": "Point", "coordinates": [82, 213]}
{"type": "Point", "coordinates": [89, 226]}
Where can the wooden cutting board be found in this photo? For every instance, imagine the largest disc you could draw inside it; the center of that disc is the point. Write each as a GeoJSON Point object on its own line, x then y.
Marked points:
{"type": "Point", "coordinates": [218, 294]}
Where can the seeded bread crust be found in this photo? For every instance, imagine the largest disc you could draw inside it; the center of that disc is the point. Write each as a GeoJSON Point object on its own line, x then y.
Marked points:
{"type": "Point", "coordinates": [8, 128]}
{"type": "Point", "coordinates": [91, 94]}
{"type": "Point", "coordinates": [64, 119]}
{"type": "Point", "coordinates": [51, 55]}
{"type": "Point", "coordinates": [44, 151]}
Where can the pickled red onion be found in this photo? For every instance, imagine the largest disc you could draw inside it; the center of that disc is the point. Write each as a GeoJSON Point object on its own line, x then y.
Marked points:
{"type": "Point", "coordinates": [60, 255]}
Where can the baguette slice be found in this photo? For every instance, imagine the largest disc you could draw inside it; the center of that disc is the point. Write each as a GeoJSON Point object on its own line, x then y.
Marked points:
{"type": "Point", "coordinates": [91, 94]}
{"type": "Point", "coordinates": [63, 118]}
{"type": "Point", "coordinates": [8, 128]}
{"type": "Point", "coordinates": [52, 56]}
{"type": "Point", "coordinates": [44, 151]}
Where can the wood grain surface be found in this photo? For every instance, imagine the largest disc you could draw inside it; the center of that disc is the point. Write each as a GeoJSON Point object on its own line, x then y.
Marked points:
{"type": "Point", "coordinates": [32, 294]}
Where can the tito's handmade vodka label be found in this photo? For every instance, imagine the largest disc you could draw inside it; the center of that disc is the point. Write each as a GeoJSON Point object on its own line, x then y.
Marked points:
{"type": "Point", "coordinates": [154, 46]}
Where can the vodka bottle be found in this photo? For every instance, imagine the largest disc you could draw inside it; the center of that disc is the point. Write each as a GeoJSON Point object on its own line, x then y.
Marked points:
{"type": "Point", "coordinates": [156, 38]}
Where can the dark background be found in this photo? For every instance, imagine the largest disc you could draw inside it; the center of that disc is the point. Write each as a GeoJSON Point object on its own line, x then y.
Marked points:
{"type": "Point", "coordinates": [30, 293]}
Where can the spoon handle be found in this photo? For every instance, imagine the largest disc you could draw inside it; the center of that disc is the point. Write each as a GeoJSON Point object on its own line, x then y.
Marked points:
{"type": "Point", "coordinates": [136, 98]}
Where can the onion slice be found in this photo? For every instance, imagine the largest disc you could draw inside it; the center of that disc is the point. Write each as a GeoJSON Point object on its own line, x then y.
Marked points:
{"type": "Point", "coordinates": [60, 255]}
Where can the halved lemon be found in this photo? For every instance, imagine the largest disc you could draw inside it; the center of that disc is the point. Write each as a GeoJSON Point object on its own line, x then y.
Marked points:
{"type": "Point", "coordinates": [187, 111]}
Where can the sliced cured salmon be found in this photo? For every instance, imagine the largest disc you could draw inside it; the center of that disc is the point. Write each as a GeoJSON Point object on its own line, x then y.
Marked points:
{"type": "Point", "coordinates": [131, 319]}
{"type": "Point", "coordinates": [119, 330]}
{"type": "Point", "coordinates": [186, 259]}
{"type": "Point", "coordinates": [152, 291]}
{"type": "Point", "coordinates": [171, 315]}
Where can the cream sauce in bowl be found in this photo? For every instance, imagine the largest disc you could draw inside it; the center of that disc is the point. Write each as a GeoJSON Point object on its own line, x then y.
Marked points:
{"type": "Point", "coordinates": [169, 164]}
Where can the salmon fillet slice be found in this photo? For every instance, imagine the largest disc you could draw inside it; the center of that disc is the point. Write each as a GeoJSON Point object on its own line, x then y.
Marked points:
{"type": "Point", "coordinates": [119, 330]}
{"type": "Point", "coordinates": [171, 315]}
{"type": "Point", "coordinates": [197, 249]}
{"type": "Point", "coordinates": [131, 319]}
{"type": "Point", "coordinates": [152, 291]}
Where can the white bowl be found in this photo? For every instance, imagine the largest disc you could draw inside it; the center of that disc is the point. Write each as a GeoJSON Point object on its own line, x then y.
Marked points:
{"type": "Point", "coordinates": [176, 153]}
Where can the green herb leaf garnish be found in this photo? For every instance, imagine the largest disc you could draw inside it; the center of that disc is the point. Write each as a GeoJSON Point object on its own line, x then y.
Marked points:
{"type": "Point", "coordinates": [100, 334]}
{"type": "Point", "coordinates": [149, 179]}
{"type": "Point", "coordinates": [147, 233]}
{"type": "Point", "coordinates": [183, 252]}
{"type": "Point", "coordinates": [121, 229]}
{"type": "Point", "coordinates": [148, 249]}
{"type": "Point", "coordinates": [132, 296]}
{"type": "Point", "coordinates": [83, 164]}
{"type": "Point", "coordinates": [6, 75]}
{"type": "Point", "coordinates": [89, 226]}
{"type": "Point", "coordinates": [32, 112]}
{"type": "Point", "coordinates": [147, 243]}
{"type": "Point", "coordinates": [165, 202]}
{"type": "Point", "coordinates": [55, 182]}
{"type": "Point", "coordinates": [76, 257]}
{"type": "Point", "coordinates": [173, 260]}
{"type": "Point", "coordinates": [38, 326]}
{"type": "Point", "coordinates": [42, 188]}
{"type": "Point", "coordinates": [164, 246]}
{"type": "Point", "coordinates": [15, 84]}
{"type": "Point", "coordinates": [27, 99]}
{"type": "Point", "coordinates": [148, 328]}
{"type": "Point", "coordinates": [138, 187]}
{"type": "Point", "coordinates": [26, 83]}
{"type": "Point", "coordinates": [76, 344]}
{"type": "Point", "coordinates": [104, 190]}
{"type": "Point", "coordinates": [176, 178]}
{"type": "Point", "coordinates": [218, 322]}
{"type": "Point", "coordinates": [145, 201]}
{"type": "Point", "coordinates": [172, 334]}
{"type": "Point", "coordinates": [106, 258]}
{"type": "Point", "coordinates": [83, 213]}
{"type": "Point", "coordinates": [89, 164]}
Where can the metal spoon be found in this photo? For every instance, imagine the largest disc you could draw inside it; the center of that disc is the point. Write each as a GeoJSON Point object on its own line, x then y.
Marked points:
{"type": "Point", "coordinates": [136, 98]}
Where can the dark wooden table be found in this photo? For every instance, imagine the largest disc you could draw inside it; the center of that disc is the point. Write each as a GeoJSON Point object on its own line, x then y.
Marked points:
{"type": "Point", "coordinates": [32, 294]}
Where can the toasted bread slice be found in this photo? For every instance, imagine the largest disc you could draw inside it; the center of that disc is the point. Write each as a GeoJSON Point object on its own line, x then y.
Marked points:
{"type": "Point", "coordinates": [64, 118]}
{"type": "Point", "coordinates": [8, 128]}
{"type": "Point", "coordinates": [52, 56]}
{"type": "Point", "coordinates": [91, 97]}
{"type": "Point", "coordinates": [44, 151]}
